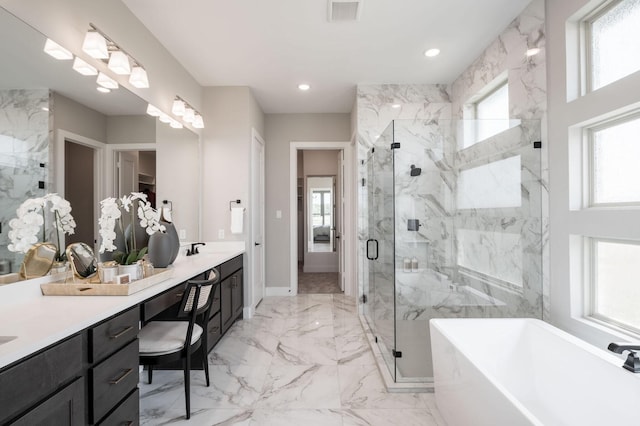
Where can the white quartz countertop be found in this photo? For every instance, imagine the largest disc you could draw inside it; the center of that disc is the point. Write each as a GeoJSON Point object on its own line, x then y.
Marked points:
{"type": "Point", "coordinates": [39, 321]}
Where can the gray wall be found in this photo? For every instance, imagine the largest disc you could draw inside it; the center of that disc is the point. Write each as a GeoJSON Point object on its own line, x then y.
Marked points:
{"type": "Point", "coordinates": [76, 118]}
{"type": "Point", "coordinates": [131, 129]}
{"type": "Point", "coordinates": [280, 130]}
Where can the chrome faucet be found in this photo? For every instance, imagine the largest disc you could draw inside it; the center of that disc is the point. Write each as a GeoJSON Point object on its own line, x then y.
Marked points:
{"type": "Point", "coordinates": [633, 362]}
{"type": "Point", "coordinates": [194, 249]}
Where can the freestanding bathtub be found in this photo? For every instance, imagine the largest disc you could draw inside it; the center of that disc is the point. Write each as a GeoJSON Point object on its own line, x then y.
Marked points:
{"type": "Point", "coordinates": [526, 372]}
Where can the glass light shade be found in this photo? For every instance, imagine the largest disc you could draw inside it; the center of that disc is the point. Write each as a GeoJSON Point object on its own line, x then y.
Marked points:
{"type": "Point", "coordinates": [139, 78]}
{"type": "Point", "coordinates": [106, 81]}
{"type": "Point", "coordinates": [153, 111]}
{"type": "Point", "coordinates": [175, 124]}
{"type": "Point", "coordinates": [84, 68]}
{"type": "Point", "coordinates": [103, 89]}
{"type": "Point", "coordinates": [178, 107]}
{"type": "Point", "coordinates": [198, 122]}
{"type": "Point", "coordinates": [54, 49]}
{"type": "Point", "coordinates": [119, 63]}
{"type": "Point", "coordinates": [164, 118]}
{"type": "Point", "coordinates": [95, 45]}
{"type": "Point", "coordinates": [189, 115]}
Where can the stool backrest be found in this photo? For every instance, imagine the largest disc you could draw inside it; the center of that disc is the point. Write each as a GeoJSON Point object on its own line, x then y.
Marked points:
{"type": "Point", "coordinates": [198, 293]}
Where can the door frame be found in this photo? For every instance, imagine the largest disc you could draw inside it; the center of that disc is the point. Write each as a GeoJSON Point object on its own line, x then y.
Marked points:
{"type": "Point", "coordinates": [350, 259]}
{"type": "Point", "coordinates": [99, 149]}
{"type": "Point", "coordinates": [250, 307]}
{"type": "Point", "coordinates": [110, 161]}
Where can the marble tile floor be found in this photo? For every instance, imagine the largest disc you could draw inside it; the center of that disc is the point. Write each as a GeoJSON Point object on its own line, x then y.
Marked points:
{"type": "Point", "coordinates": [300, 360]}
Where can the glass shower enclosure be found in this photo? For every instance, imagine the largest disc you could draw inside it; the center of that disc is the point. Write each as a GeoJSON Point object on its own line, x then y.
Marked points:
{"type": "Point", "coordinates": [453, 230]}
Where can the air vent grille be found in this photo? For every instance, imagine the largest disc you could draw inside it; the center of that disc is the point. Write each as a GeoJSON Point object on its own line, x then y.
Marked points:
{"type": "Point", "coordinates": [344, 10]}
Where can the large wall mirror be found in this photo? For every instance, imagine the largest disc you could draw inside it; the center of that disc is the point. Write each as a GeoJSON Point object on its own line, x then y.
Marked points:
{"type": "Point", "coordinates": [59, 134]}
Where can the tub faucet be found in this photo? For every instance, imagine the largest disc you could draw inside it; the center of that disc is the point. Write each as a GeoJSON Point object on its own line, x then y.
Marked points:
{"type": "Point", "coordinates": [633, 362]}
{"type": "Point", "coordinates": [194, 248]}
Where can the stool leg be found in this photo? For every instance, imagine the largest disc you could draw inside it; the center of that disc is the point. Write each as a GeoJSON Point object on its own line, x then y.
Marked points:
{"type": "Point", "coordinates": [150, 373]}
{"type": "Point", "coordinates": [205, 362]}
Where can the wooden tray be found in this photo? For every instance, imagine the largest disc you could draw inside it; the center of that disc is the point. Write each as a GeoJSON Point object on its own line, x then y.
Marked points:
{"type": "Point", "coordinates": [86, 288]}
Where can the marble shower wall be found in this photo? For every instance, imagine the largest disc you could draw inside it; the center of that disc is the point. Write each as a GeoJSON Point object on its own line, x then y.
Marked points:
{"type": "Point", "coordinates": [24, 148]}
{"type": "Point", "coordinates": [526, 76]}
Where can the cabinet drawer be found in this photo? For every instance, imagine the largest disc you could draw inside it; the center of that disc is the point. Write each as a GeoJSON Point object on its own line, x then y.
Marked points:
{"type": "Point", "coordinates": [169, 298]}
{"type": "Point", "coordinates": [33, 379]}
{"type": "Point", "coordinates": [111, 335]}
{"type": "Point", "coordinates": [64, 408]}
{"type": "Point", "coordinates": [214, 331]}
{"type": "Point", "coordinates": [113, 379]}
{"type": "Point", "coordinates": [127, 412]}
{"type": "Point", "coordinates": [230, 266]}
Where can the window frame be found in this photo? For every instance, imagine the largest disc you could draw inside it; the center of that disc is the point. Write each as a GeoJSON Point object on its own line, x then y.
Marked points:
{"type": "Point", "coordinates": [589, 132]}
{"type": "Point", "coordinates": [591, 295]}
{"type": "Point", "coordinates": [586, 25]}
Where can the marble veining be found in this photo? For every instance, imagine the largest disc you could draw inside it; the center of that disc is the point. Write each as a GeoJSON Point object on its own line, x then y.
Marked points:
{"type": "Point", "coordinates": [292, 379]}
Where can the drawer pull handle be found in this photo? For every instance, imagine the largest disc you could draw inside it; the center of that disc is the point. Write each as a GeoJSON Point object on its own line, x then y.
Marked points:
{"type": "Point", "coordinates": [123, 332]}
{"type": "Point", "coordinates": [121, 378]}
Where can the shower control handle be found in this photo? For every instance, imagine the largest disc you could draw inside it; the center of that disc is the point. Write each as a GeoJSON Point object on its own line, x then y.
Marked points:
{"type": "Point", "coordinates": [369, 256]}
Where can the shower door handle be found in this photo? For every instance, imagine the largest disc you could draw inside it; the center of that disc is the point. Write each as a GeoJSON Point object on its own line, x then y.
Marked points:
{"type": "Point", "coordinates": [369, 256]}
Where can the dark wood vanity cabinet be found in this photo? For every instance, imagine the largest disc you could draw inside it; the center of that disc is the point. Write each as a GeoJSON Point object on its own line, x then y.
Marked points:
{"type": "Point", "coordinates": [231, 292]}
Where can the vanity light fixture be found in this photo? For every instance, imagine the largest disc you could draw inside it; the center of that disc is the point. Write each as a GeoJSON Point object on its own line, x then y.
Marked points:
{"type": "Point", "coordinates": [175, 124]}
{"type": "Point", "coordinates": [84, 68]}
{"type": "Point", "coordinates": [103, 89]}
{"type": "Point", "coordinates": [153, 111]}
{"type": "Point", "coordinates": [54, 49]}
{"type": "Point", "coordinates": [119, 63]}
{"type": "Point", "coordinates": [430, 53]}
{"type": "Point", "coordinates": [189, 115]}
{"type": "Point", "coordinates": [533, 51]}
{"type": "Point", "coordinates": [396, 106]}
{"type": "Point", "coordinates": [198, 122]}
{"type": "Point", "coordinates": [178, 107]}
{"type": "Point", "coordinates": [139, 77]}
{"type": "Point", "coordinates": [95, 44]}
{"type": "Point", "coordinates": [164, 118]}
{"type": "Point", "coordinates": [304, 87]}
{"type": "Point", "coordinates": [106, 81]}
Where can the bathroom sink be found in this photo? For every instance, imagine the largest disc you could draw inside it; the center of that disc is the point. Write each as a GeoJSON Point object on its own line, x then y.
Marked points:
{"type": "Point", "coordinates": [7, 339]}
{"type": "Point", "coordinates": [9, 278]}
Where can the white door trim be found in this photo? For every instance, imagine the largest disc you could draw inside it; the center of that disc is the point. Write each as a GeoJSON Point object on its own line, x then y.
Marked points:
{"type": "Point", "coordinates": [110, 161]}
{"type": "Point", "coordinates": [349, 213]}
{"type": "Point", "coordinates": [249, 303]}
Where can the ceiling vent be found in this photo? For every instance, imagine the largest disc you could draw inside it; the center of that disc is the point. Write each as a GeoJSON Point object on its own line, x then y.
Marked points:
{"type": "Point", "coordinates": [344, 10]}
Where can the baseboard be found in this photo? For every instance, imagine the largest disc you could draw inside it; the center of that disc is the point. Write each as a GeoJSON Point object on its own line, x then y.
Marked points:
{"type": "Point", "coordinates": [278, 291]}
{"type": "Point", "coordinates": [247, 313]}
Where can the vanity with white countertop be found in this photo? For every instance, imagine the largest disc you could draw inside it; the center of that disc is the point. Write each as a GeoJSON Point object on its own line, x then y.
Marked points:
{"type": "Point", "coordinates": [75, 358]}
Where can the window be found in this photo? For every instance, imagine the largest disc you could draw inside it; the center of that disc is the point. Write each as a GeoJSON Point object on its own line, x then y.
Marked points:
{"type": "Point", "coordinates": [321, 205]}
{"type": "Point", "coordinates": [616, 289]}
{"type": "Point", "coordinates": [492, 113]}
{"type": "Point", "coordinates": [615, 150]}
{"type": "Point", "coordinates": [613, 42]}
{"type": "Point", "coordinates": [487, 113]}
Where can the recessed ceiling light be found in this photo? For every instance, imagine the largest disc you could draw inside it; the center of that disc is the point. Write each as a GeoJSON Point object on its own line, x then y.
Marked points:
{"type": "Point", "coordinates": [103, 89]}
{"type": "Point", "coordinates": [396, 106]}
{"type": "Point", "coordinates": [430, 53]}
{"type": "Point", "coordinates": [533, 51]}
{"type": "Point", "coordinates": [304, 87]}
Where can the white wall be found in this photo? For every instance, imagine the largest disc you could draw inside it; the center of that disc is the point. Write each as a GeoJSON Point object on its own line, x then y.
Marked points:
{"type": "Point", "coordinates": [567, 220]}
{"type": "Point", "coordinates": [178, 177]}
{"type": "Point", "coordinates": [280, 130]}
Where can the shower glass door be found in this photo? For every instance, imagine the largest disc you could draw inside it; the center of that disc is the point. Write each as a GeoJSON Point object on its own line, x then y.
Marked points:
{"type": "Point", "coordinates": [380, 247]}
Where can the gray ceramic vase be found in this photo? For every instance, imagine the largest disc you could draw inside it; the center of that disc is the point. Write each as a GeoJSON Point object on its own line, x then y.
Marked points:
{"type": "Point", "coordinates": [164, 246]}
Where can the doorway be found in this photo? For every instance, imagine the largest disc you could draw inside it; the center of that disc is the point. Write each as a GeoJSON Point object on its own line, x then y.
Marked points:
{"type": "Point", "coordinates": [321, 225]}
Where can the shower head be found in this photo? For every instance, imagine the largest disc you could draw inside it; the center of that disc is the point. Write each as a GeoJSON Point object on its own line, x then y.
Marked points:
{"type": "Point", "coordinates": [415, 171]}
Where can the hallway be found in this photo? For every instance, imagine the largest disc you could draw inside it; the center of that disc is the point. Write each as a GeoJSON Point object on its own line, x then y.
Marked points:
{"type": "Point", "coordinates": [317, 282]}
{"type": "Point", "coordinates": [300, 360]}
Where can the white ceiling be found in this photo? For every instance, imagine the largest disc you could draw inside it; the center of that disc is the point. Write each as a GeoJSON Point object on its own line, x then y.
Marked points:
{"type": "Point", "coordinates": [272, 46]}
